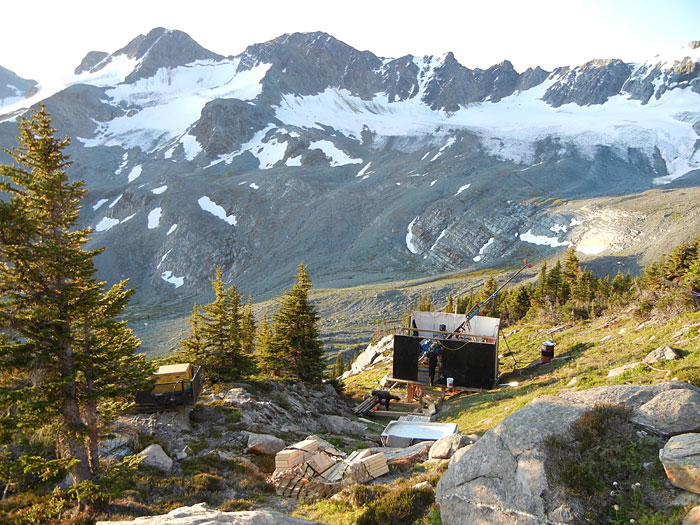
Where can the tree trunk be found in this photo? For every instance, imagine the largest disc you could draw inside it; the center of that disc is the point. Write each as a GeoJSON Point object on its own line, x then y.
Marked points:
{"type": "Point", "coordinates": [71, 441]}
{"type": "Point", "coordinates": [70, 445]}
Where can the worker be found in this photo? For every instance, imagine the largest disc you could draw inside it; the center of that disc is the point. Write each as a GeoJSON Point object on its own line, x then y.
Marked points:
{"type": "Point", "coordinates": [433, 351]}
{"type": "Point", "coordinates": [384, 397]}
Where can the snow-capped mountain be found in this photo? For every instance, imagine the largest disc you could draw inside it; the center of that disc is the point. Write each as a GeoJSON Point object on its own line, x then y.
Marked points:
{"type": "Point", "coordinates": [365, 168]}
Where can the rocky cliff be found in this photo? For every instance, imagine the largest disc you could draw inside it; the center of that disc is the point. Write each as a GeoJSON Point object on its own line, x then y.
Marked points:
{"type": "Point", "coordinates": [366, 168]}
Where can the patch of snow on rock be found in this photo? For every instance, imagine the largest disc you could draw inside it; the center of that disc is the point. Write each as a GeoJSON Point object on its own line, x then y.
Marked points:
{"type": "Point", "coordinates": [159, 190]}
{"type": "Point", "coordinates": [483, 249]}
{"type": "Point", "coordinates": [172, 229]}
{"type": "Point", "coordinates": [191, 146]}
{"type": "Point", "coordinates": [105, 224]}
{"type": "Point", "coordinates": [218, 211]}
{"type": "Point", "coordinates": [410, 237]}
{"type": "Point", "coordinates": [154, 218]}
{"type": "Point", "coordinates": [338, 157]}
{"type": "Point", "coordinates": [460, 190]}
{"type": "Point", "coordinates": [99, 203]}
{"type": "Point", "coordinates": [293, 161]}
{"type": "Point", "coordinates": [254, 186]}
{"type": "Point", "coordinates": [542, 240]}
{"type": "Point", "coordinates": [115, 201]}
{"type": "Point", "coordinates": [135, 173]}
{"type": "Point", "coordinates": [168, 276]}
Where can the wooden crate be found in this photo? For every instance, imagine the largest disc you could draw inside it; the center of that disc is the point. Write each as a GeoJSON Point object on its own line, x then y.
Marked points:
{"type": "Point", "coordinates": [168, 376]}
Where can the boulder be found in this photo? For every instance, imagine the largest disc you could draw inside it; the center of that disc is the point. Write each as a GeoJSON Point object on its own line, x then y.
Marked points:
{"type": "Point", "coordinates": [622, 369]}
{"type": "Point", "coordinates": [631, 396]}
{"type": "Point", "coordinates": [501, 478]}
{"type": "Point", "coordinates": [264, 444]}
{"type": "Point", "coordinates": [681, 460]}
{"type": "Point", "coordinates": [155, 456]}
{"type": "Point", "coordinates": [341, 425]}
{"type": "Point", "coordinates": [200, 513]}
{"type": "Point", "coordinates": [693, 517]}
{"type": "Point", "coordinates": [446, 446]}
{"type": "Point", "coordinates": [369, 355]}
{"type": "Point", "coordinates": [671, 412]}
{"type": "Point", "coordinates": [663, 353]}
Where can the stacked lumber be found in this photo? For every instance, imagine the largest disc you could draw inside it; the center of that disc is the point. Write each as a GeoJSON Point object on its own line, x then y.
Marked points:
{"type": "Point", "coordinates": [375, 464]}
{"type": "Point", "coordinates": [296, 454]}
{"type": "Point", "coordinates": [313, 469]}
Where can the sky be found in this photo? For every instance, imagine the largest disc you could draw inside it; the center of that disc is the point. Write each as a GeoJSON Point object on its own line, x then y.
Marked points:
{"type": "Point", "coordinates": [47, 39]}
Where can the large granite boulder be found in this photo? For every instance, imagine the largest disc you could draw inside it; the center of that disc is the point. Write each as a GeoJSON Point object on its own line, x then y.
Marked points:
{"type": "Point", "coordinates": [341, 425]}
{"type": "Point", "coordinates": [155, 456]}
{"type": "Point", "coordinates": [446, 446]}
{"type": "Point", "coordinates": [671, 412]}
{"type": "Point", "coordinates": [201, 514]}
{"type": "Point", "coordinates": [264, 444]}
{"type": "Point", "coordinates": [681, 460]}
{"type": "Point", "coordinates": [501, 479]}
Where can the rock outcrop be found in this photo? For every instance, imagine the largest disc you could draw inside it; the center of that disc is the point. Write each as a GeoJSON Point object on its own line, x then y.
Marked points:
{"type": "Point", "coordinates": [201, 514]}
{"type": "Point", "coordinates": [501, 478]}
{"type": "Point", "coordinates": [155, 456]}
{"type": "Point", "coordinates": [681, 460]}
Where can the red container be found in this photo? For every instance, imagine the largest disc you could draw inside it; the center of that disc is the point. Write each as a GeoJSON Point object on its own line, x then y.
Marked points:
{"type": "Point", "coordinates": [547, 351]}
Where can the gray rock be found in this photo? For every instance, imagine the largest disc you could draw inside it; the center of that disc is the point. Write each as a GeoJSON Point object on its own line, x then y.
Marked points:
{"type": "Point", "coordinates": [622, 369]}
{"type": "Point", "coordinates": [631, 396]}
{"type": "Point", "coordinates": [201, 514]}
{"type": "Point", "coordinates": [341, 425]}
{"type": "Point", "coordinates": [446, 446]}
{"type": "Point", "coordinates": [501, 478]}
{"type": "Point", "coordinates": [264, 444]}
{"type": "Point", "coordinates": [663, 353]}
{"type": "Point", "coordinates": [154, 456]}
{"type": "Point", "coordinates": [671, 412]}
{"type": "Point", "coordinates": [686, 499]}
{"type": "Point", "coordinates": [681, 460]}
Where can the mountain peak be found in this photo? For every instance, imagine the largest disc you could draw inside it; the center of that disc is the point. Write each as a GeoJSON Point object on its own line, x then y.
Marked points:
{"type": "Point", "coordinates": [159, 48]}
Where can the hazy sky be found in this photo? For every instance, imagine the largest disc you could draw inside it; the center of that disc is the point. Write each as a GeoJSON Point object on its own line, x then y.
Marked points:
{"type": "Point", "coordinates": [49, 37]}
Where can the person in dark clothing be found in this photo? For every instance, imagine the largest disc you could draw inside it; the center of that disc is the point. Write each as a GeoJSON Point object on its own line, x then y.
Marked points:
{"type": "Point", "coordinates": [385, 397]}
{"type": "Point", "coordinates": [432, 351]}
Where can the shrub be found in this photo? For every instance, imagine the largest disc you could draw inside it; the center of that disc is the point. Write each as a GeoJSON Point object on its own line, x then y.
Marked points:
{"type": "Point", "coordinates": [235, 505]}
{"type": "Point", "coordinates": [603, 466]}
{"type": "Point", "coordinates": [405, 505]}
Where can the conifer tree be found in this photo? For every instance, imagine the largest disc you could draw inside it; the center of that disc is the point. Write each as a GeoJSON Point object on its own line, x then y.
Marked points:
{"type": "Point", "coordinates": [569, 274]}
{"type": "Point", "coordinates": [192, 348]}
{"type": "Point", "coordinates": [65, 360]}
{"type": "Point", "coordinates": [222, 356]}
{"type": "Point", "coordinates": [296, 332]}
{"type": "Point", "coordinates": [554, 283]}
{"type": "Point", "coordinates": [540, 294]}
{"type": "Point", "coordinates": [339, 366]}
{"type": "Point", "coordinates": [450, 306]}
{"type": "Point", "coordinates": [490, 309]}
{"type": "Point", "coordinates": [248, 328]}
{"type": "Point", "coordinates": [266, 352]}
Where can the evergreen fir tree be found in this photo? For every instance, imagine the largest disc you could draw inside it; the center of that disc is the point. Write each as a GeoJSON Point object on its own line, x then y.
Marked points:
{"type": "Point", "coordinates": [490, 309]}
{"type": "Point", "coordinates": [296, 332]}
{"type": "Point", "coordinates": [540, 294]}
{"type": "Point", "coordinates": [223, 356]}
{"type": "Point", "coordinates": [339, 366]}
{"type": "Point", "coordinates": [569, 274]}
{"type": "Point", "coordinates": [553, 284]}
{"type": "Point", "coordinates": [450, 306]}
{"type": "Point", "coordinates": [266, 352]}
{"type": "Point", "coordinates": [248, 328]}
{"type": "Point", "coordinates": [65, 360]}
{"type": "Point", "coordinates": [193, 348]}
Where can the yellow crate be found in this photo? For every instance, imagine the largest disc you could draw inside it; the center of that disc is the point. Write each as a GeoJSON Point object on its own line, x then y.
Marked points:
{"type": "Point", "coordinates": [168, 375]}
